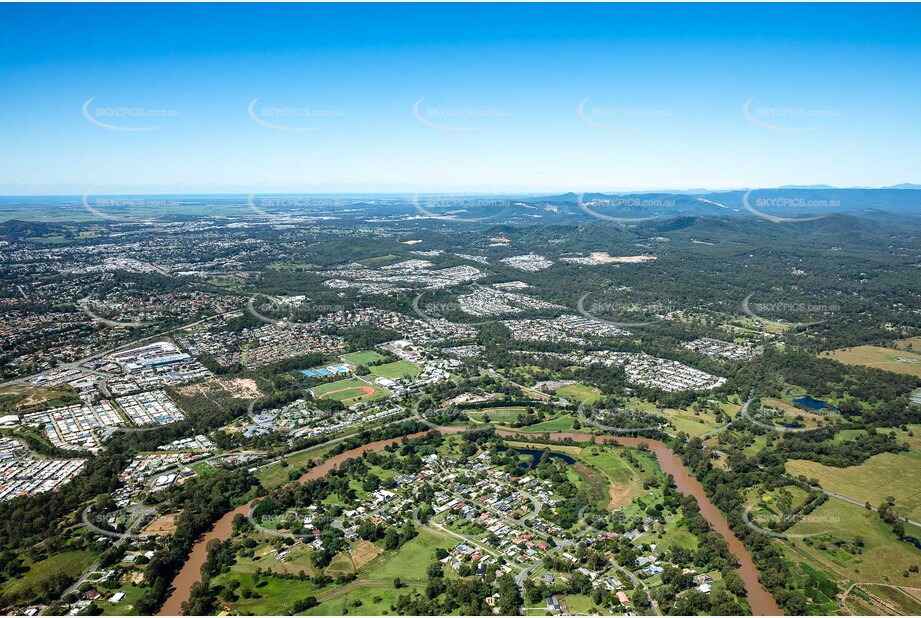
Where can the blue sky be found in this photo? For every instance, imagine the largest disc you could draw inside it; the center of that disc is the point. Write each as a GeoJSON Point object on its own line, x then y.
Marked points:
{"type": "Point", "coordinates": [403, 98]}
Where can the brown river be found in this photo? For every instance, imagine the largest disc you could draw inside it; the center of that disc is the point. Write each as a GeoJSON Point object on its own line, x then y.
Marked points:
{"type": "Point", "coordinates": [760, 600]}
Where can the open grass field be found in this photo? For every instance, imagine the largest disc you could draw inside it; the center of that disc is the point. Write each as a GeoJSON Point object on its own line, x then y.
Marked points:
{"type": "Point", "coordinates": [399, 369]}
{"type": "Point", "coordinates": [275, 595]}
{"type": "Point", "coordinates": [560, 423]}
{"type": "Point", "coordinates": [883, 475]}
{"type": "Point", "coordinates": [349, 391]}
{"type": "Point", "coordinates": [909, 343]}
{"type": "Point", "coordinates": [380, 258]}
{"type": "Point", "coordinates": [203, 468]}
{"type": "Point", "coordinates": [580, 604]}
{"type": "Point", "coordinates": [624, 482]}
{"type": "Point", "coordinates": [580, 392]}
{"type": "Point", "coordinates": [501, 415]}
{"type": "Point", "coordinates": [758, 445]}
{"type": "Point", "coordinates": [883, 557]}
{"type": "Point", "coordinates": [411, 561]}
{"type": "Point", "coordinates": [611, 480]}
{"type": "Point", "coordinates": [891, 359]}
{"type": "Point", "coordinates": [265, 557]}
{"type": "Point", "coordinates": [371, 594]}
{"type": "Point", "coordinates": [677, 535]}
{"type": "Point", "coordinates": [691, 423]}
{"type": "Point", "coordinates": [363, 598]}
{"type": "Point", "coordinates": [771, 506]}
{"type": "Point", "coordinates": [572, 451]}
{"type": "Point", "coordinates": [363, 358]}
{"type": "Point", "coordinates": [276, 475]}
{"type": "Point", "coordinates": [507, 415]}
{"type": "Point", "coordinates": [39, 577]}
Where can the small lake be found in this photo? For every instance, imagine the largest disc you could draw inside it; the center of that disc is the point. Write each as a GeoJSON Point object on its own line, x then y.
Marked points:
{"type": "Point", "coordinates": [537, 456]}
{"type": "Point", "coordinates": [807, 401]}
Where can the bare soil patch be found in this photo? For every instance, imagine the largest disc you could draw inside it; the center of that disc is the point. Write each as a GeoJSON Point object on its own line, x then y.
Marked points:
{"type": "Point", "coordinates": [364, 552]}
{"type": "Point", "coordinates": [163, 525]}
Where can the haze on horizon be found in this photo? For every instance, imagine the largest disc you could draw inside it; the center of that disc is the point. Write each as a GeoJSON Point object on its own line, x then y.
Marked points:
{"type": "Point", "coordinates": [215, 99]}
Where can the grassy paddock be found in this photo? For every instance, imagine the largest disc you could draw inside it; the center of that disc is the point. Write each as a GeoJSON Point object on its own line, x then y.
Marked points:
{"type": "Point", "coordinates": [882, 559]}
{"type": "Point", "coordinates": [41, 574]}
{"type": "Point", "coordinates": [898, 361]}
{"type": "Point", "coordinates": [881, 476]}
{"type": "Point", "coordinates": [580, 392]}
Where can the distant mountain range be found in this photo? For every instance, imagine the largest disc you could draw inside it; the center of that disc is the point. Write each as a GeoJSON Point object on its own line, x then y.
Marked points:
{"type": "Point", "coordinates": [791, 202]}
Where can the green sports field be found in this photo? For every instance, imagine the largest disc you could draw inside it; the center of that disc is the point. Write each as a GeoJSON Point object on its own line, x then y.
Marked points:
{"type": "Point", "coordinates": [349, 391]}
{"type": "Point", "coordinates": [399, 369]}
{"type": "Point", "coordinates": [362, 358]}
